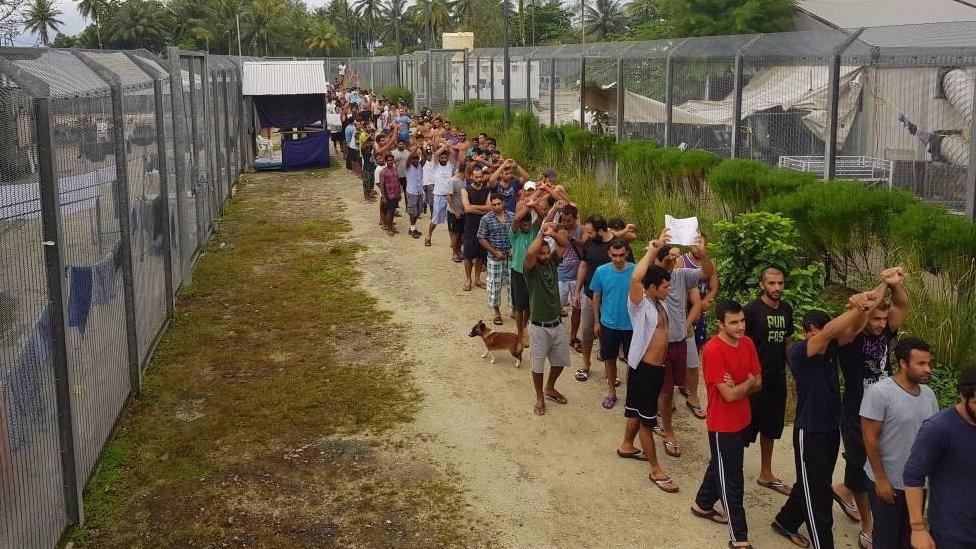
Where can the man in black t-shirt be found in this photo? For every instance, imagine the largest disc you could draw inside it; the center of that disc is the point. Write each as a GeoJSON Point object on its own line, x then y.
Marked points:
{"type": "Point", "coordinates": [596, 252]}
{"type": "Point", "coordinates": [864, 360]}
{"type": "Point", "coordinates": [816, 431]}
{"type": "Point", "coordinates": [769, 323]}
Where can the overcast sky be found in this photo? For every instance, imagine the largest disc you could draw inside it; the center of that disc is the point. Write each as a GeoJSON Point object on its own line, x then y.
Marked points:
{"type": "Point", "coordinates": [75, 23]}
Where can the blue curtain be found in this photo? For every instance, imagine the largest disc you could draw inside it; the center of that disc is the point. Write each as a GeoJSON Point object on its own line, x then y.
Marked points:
{"type": "Point", "coordinates": [311, 151]}
{"type": "Point", "coordinates": [289, 111]}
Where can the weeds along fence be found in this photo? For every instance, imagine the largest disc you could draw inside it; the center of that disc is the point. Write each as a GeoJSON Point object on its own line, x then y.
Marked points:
{"type": "Point", "coordinates": [114, 167]}
{"type": "Point", "coordinates": [889, 106]}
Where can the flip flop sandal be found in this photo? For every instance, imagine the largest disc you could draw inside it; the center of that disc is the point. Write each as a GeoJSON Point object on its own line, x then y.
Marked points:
{"type": "Point", "coordinates": [638, 455]}
{"type": "Point", "coordinates": [776, 486]}
{"type": "Point", "coordinates": [609, 401]}
{"type": "Point", "coordinates": [711, 515]}
{"type": "Point", "coordinates": [684, 392]}
{"type": "Point", "coordinates": [659, 431]}
{"type": "Point", "coordinates": [576, 345]}
{"type": "Point", "coordinates": [427, 242]}
{"type": "Point", "coordinates": [582, 375]}
{"type": "Point", "coordinates": [457, 260]}
{"type": "Point", "coordinates": [672, 449]}
{"type": "Point", "coordinates": [558, 399]}
{"type": "Point", "coordinates": [539, 410]}
{"type": "Point", "coordinates": [734, 546]}
{"type": "Point", "coordinates": [793, 537]}
{"type": "Point", "coordinates": [497, 321]}
{"type": "Point", "coordinates": [848, 509]}
{"type": "Point", "coordinates": [695, 410]}
{"type": "Point", "coordinates": [660, 482]}
{"type": "Point", "coordinates": [466, 287]}
{"type": "Point", "coordinates": [864, 541]}
{"type": "Point", "coordinates": [616, 382]}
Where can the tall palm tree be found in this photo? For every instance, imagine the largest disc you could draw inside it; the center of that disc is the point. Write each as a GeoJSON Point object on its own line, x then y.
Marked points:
{"type": "Point", "coordinates": [322, 37]}
{"type": "Point", "coordinates": [94, 10]}
{"type": "Point", "coordinates": [368, 9]}
{"type": "Point", "coordinates": [138, 23]}
{"type": "Point", "coordinates": [440, 17]}
{"type": "Point", "coordinates": [642, 11]}
{"type": "Point", "coordinates": [267, 13]}
{"type": "Point", "coordinates": [603, 18]}
{"type": "Point", "coordinates": [40, 17]}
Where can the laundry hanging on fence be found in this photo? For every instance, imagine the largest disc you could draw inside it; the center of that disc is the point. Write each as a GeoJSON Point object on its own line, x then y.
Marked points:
{"type": "Point", "coordinates": [23, 391]}
{"type": "Point", "coordinates": [311, 151]}
{"type": "Point", "coordinates": [289, 111]}
{"type": "Point", "coordinates": [80, 297]}
{"type": "Point", "coordinates": [104, 276]}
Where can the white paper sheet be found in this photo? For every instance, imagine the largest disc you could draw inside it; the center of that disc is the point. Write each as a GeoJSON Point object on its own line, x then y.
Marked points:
{"type": "Point", "coordinates": [683, 231]}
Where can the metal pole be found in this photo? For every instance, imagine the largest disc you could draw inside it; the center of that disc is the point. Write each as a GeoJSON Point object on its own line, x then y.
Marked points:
{"type": "Point", "coordinates": [491, 79]}
{"type": "Point", "coordinates": [669, 98]}
{"type": "Point", "coordinates": [506, 68]}
{"type": "Point", "coordinates": [237, 16]}
{"type": "Point", "coordinates": [477, 77]}
{"type": "Point", "coordinates": [737, 106]}
{"type": "Point", "coordinates": [833, 87]}
{"type": "Point", "coordinates": [122, 206]}
{"type": "Point", "coordinates": [180, 149]}
{"type": "Point", "coordinates": [209, 120]}
{"type": "Point", "coordinates": [466, 77]}
{"type": "Point", "coordinates": [528, 84]}
{"type": "Point", "coordinates": [164, 182]}
{"type": "Point", "coordinates": [552, 91]}
{"type": "Point", "coordinates": [971, 170]}
{"type": "Point", "coordinates": [621, 85]}
{"type": "Point", "coordinates": [195, 154]}
{"type": "Point", "coordinates": [228, 144]}
{"type": "Point", "coordinates": [582, 92]}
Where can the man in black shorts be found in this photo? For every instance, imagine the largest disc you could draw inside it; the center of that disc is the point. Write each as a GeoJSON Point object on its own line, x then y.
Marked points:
{"type": "Point", "coordinates": [645, 375]}
{"type": "Point", "coordinates": [865, 360]}
{"type": "Point", "coordinates": [769, 324]}
{"type": "Point", "coordinates": [474, 200]}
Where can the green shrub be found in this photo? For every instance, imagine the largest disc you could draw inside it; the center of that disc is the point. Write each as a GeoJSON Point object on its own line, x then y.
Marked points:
{"type": "Point", "coordinates": [736, 182]}
{"type": "Point", "coordinates": [521, 140]}
{"type": "Point", "coordinates": [696, 166]}
{"type": "Point", "coordinates": [474, 116]}
{"type": "Point", "coordinates": [550, 148]}
{"type": "Point", "coordinates": [397, 93]}
{"type": "Point", "coordinates": [752, 242]}
{"type": "Point", "coordinates": [949, 239]}
{"type": "Point", "coordinates": [778, 181]}
{"type": "Point", "coordinates": [843, 221]}
{"type": "Point", "coordinates": [941, 313]}
{"type": "Point", "coordinates": [583, 149]}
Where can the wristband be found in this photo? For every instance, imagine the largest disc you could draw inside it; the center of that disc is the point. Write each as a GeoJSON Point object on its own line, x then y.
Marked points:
{"type": "Point", "coordinates": [918, 526]}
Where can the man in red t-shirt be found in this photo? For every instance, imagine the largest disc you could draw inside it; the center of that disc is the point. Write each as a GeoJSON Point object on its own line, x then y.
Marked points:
{"type": "Point", "coordinates": [731, 370]}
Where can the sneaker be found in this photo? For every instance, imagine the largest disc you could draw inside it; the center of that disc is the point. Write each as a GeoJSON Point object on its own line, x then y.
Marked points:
{"type": "Point", "coordinates": [415, 234]}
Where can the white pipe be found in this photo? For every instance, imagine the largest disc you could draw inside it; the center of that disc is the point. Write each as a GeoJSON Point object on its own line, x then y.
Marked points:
{"type": "Point", "coordinates": [958, 87]}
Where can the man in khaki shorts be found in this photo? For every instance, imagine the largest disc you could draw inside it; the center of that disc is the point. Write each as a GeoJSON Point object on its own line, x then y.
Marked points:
{"type": "Point", "coordinates": [548, 339]}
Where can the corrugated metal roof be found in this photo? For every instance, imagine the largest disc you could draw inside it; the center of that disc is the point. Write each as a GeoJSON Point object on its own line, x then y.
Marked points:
{"type": "Point", "coordinates": [284, 77]}
{"type": "Point", "coordinates": [848, 14]}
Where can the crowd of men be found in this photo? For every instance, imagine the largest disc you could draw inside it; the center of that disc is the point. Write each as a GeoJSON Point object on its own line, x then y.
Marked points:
{"type": "Point", "coordinates": [525, 242]}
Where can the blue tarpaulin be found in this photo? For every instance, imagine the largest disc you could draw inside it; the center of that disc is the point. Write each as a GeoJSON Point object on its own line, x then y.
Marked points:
{"type": "Point", "coordinates": [311, 151]}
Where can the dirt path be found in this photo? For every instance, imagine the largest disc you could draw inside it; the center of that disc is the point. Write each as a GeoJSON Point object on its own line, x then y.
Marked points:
{"type": "Point", "coordinates": [541, 482]}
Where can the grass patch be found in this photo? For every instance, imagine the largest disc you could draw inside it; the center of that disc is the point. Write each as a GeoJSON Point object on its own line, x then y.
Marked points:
{"type": "Point", "coordinates": [259, 412]}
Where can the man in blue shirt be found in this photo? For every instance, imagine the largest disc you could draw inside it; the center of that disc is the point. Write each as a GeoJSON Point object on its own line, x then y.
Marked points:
{"type": "Point", "coordinates": [403, 125]}
{"type": "Point", "coordinates": [944, 453]}
{"type": "Point", "coordinates": [816, 430]}
{"type": "Point", "coordinates": [352, 148]}
{"type": "Point", "coordinates": [610, 286]}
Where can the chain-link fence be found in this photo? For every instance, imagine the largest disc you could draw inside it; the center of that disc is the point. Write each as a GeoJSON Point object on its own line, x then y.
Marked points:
{"type": "Point", "coordinates": [889, 106]}
{"type": "Point", "coordinates": [114, 167]}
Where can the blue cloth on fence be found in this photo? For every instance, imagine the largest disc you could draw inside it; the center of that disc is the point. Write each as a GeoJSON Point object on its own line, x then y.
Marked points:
{"type": "Point", "coordinates": [24, 395]}
{"type": "Point", "coordinates": [311, 151]}
{"type": "Point", "coordinates": [80, 297]}
{"type": "Point", "coordinates": [290, 111]}
{"type": "Point", "coordinates": [103, 279]}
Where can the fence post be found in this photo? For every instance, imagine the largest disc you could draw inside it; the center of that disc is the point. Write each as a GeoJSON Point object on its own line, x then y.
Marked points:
{"type": "Point", "coordinates": [430, 78]}
{"type": "Point", "coordinates": [621, 94]}
{"type": "Point", "coordinates": [466, 78]}
{"type": "Point", "coordinates": [180, 149]}
{"type": "Point", "coordinates": [121, 191]}
{"type": "Point", "coordinates": [491, 78]}
{"type": "Point", "coordinates": [833, 89]}
{"type": "Point", "coordinates": [228, 144]}
{"type": "Point", "coordinates": [736, 106]}
{"type": "Point", "coordinates": [50, 203]}
{"type": "Point", "coordinates": [552, 91]}
{"type": "Point", "coordinates": [971, 169]}
{"type": "Point", "coordinates": [477, 76]}
{"type": "Point", "coordinates": [528, 84]}
{"type": "Point", "coordinates": [163, 167]}
{"type": "Point", "coordinates": [582, 92]}
{"type": "Point", "coordinates": [209, 122]}
{"type": "Point", "coordinates": [669, 93]}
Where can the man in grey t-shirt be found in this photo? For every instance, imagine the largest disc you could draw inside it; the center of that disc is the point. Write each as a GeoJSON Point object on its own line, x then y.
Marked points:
{"type": "Point", "coordinates": [682, 290]}
{"type": "Point", "coordinates": [892, 411]}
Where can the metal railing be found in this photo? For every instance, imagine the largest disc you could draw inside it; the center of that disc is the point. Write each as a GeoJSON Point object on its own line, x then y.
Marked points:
{"type": "Point", "coordinates": [114, 167]}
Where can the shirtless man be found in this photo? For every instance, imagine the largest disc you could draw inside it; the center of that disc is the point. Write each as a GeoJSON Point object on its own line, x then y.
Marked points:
{"type": "Point", "coordinates": [645, 304]}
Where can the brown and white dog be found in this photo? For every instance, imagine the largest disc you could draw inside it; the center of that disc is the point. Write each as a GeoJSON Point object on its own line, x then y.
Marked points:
{"type": "Point", "coordinates": [514, 343]}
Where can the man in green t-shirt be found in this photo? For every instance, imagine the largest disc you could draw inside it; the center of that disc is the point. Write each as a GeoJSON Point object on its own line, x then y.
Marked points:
{"type": "Point", "coordinates": [547, 337]}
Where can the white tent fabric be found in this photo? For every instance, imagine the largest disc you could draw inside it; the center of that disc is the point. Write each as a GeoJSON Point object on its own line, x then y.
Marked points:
{"type": "Point", "coordinates": [798, 87]}
{"type": "Point", "coordinates": [284, 77]}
